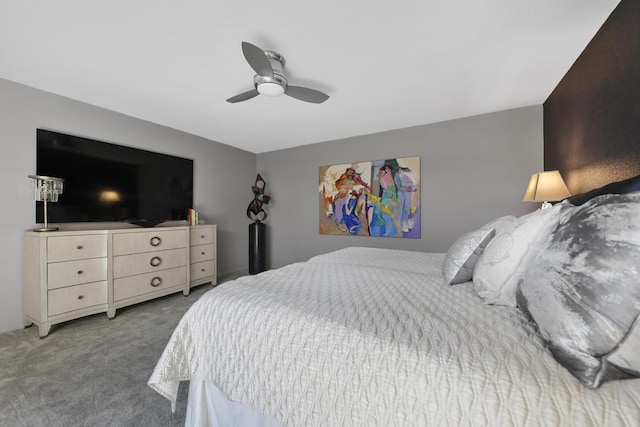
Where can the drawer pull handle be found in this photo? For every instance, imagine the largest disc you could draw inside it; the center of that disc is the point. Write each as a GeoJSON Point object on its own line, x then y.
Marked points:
{"type": "Point", "coordinates": [80, 296]}
{"type": "Point", "coordinates": [202, 236]}
{"type": "Point", "coordinates": [202, 253]}
{"type": "Point", "coordinates": [155, 241]}
{"type": "Point", "coordinates": [79, 247]}
{"type": "Point", "coordinates": [80, 272]}
{"type": "Point", "coordinates": [156, 281]}
{"type": "Point", "coordinates": [155, 261]}
{"type": "Point", "coordinates": [203, 269]}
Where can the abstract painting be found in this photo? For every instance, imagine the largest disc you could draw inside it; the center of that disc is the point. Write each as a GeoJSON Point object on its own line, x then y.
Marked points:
{"type": "Point", "coordinates": [373, 198]}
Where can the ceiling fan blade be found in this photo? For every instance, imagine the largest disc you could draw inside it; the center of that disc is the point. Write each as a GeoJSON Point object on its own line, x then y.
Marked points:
{"type": "Point", "coordinates": [306, 94]}
{"type": "Point", "coordinates": [244, 96]}
{"type": "Point", "coordinates": [257, 59]}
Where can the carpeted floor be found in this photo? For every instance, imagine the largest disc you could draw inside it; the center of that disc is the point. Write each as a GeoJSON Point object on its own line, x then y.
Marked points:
{"type": "Point", "coordinates": [92, 371]}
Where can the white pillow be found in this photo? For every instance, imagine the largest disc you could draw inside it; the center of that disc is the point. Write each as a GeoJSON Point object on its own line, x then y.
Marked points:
{"type": "Point", "coordinates": [499, 269]}
{"type": "Point", "coordinates": [499, 224]}
{"type": "Point", "coordinates": [462, 256]}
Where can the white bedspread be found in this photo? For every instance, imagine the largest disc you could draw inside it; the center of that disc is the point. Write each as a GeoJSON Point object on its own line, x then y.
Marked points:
{"type": "Point", "coordinates": [375, 337]}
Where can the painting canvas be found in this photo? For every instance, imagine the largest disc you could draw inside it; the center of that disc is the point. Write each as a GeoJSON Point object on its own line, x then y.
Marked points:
{"type": "Point", "coordinates": [373, 198]}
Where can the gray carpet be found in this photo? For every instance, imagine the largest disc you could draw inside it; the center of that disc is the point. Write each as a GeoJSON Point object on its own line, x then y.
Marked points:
{"type": "Point", "coordinates": [92, 371]}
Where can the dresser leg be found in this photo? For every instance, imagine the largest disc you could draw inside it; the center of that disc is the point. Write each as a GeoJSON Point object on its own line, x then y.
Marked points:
{"type": "Point", "coordinates": [186, 292]}
{"type": "Point", "coordinates": [111, 313]}
{"type": "Point", "coordinates": [43, 329]}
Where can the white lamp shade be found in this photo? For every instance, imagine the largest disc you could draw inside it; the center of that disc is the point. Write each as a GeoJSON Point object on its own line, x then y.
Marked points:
{"type": "Point", "coordinates": [546, 187]}
{"type": "Point", "coordinates": [46, 189]}
{"type": "Point", "coordinates": [270, 89]}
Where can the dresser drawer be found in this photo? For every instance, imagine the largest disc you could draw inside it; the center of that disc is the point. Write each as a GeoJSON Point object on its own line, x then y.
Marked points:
{"type": "Point", "coordinates": [131, 243]}
{"type": "Point", "coordinates": [67, 273]}
{"type": "Point", "coordinates": [201, 236]}
{"type": "Point", "coordinates": [76, 297]}
{"type": "Point", "coordinates": [201, 253]}
{"type": "Point", "coordinates": [132, 286]}
{"type": "Point", "coordinates": [128, 265]}
{"type": "Point", "coordinates": [67, 248]}
{"type": "Point", "coordinates": [203, 269]}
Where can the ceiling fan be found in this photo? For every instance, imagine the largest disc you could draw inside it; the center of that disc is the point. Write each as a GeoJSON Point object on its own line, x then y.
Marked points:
{"type": "Point", "coordinates": [270, 79]}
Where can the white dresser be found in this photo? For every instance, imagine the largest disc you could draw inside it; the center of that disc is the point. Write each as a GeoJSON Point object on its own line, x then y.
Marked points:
{"type": "Point", "coordinates": [66, 276]}
{"type": "Point", "coordinates": [202, 242]}
{"type": "Point", "coordinates": [148, 263]}
{"type": "Point", "coordinates": [70, 274]}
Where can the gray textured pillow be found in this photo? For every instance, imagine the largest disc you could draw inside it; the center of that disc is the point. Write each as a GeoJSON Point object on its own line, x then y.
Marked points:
{"type": "Point", "coordinates": [461, 257]}
{"type": "Point", "coordinates": [583, 290]}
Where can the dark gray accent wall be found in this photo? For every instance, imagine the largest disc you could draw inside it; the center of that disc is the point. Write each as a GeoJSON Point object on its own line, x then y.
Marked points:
{"type": "Point", "coordinates": [592, 118]}
{"type": "Point", "coordinates": [222, 187]}
{"type": "Point", "coordinates": [472, 170]}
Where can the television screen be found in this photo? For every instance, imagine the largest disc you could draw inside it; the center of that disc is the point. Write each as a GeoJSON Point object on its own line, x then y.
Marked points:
{"type": "Point", "coordinates": [110, 182]}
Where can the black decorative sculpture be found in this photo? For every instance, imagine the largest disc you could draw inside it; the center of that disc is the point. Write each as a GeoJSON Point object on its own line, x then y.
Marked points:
{"type": "Point", "coordinates": [258, 230]}
{"type": "Point", "coordinates": [255, 208]}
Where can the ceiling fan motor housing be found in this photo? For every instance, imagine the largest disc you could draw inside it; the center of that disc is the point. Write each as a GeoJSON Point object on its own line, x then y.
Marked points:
{"type": "Point", "coordinates": [276, 85]}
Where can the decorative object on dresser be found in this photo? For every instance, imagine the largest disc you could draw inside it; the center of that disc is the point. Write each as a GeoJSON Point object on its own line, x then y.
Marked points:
{"type": "Point", "coordinates": [258, 230]}
{"type": "Point", "coordinates": [71, 274]}
{"type": "Point", "coordinates": [46, 189]}
{"type": "Point", "coordinates": [546, 187]}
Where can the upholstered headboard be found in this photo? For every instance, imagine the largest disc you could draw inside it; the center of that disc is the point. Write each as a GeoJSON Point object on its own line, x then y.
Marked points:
{"type": "Point", "coordinates": [619, 187]}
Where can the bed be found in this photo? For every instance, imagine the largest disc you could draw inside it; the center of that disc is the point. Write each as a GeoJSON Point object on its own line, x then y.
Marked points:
{"type": "Point", "coordinates": [365, 336]}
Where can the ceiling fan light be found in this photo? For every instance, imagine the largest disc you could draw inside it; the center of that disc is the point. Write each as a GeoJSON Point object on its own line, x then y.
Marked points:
{"type": "Point", "coordinates": [270, 89]}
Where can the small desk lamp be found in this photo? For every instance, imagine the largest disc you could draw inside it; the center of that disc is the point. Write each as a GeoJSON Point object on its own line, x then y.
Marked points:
{"type": "Point", "coordinates": [546, 187]}
{"type": "Point", "coordinates": [46, 189]}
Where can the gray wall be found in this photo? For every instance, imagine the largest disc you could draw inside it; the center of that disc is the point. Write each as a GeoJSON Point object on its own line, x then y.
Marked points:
{"type": "Point", "coordinates": [472, 170]}
{"type": "Point", "coordinates": [222, 176]}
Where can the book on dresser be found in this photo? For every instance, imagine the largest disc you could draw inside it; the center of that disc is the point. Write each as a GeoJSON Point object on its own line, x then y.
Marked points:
{"type": "Point", "coordinates": [71, 274]}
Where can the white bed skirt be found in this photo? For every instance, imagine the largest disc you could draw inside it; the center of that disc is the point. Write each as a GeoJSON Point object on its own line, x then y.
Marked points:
{"type": "Point", "coordinates": [208, 406]}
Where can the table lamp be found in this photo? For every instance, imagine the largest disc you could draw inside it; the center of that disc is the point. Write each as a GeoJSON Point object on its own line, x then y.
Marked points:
{"type": "Point", "coordinates": [46, 189]}
{"type": "Point", "coordinates": [546, 187]}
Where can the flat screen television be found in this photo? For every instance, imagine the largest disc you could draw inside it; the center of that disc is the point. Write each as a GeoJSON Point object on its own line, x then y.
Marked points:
{"type": "Point", "coordinates": [109, 182]}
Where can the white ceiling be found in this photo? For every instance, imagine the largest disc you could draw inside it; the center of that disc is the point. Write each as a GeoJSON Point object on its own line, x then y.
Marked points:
{"type": "Point", "coordinates": [386, 65]}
